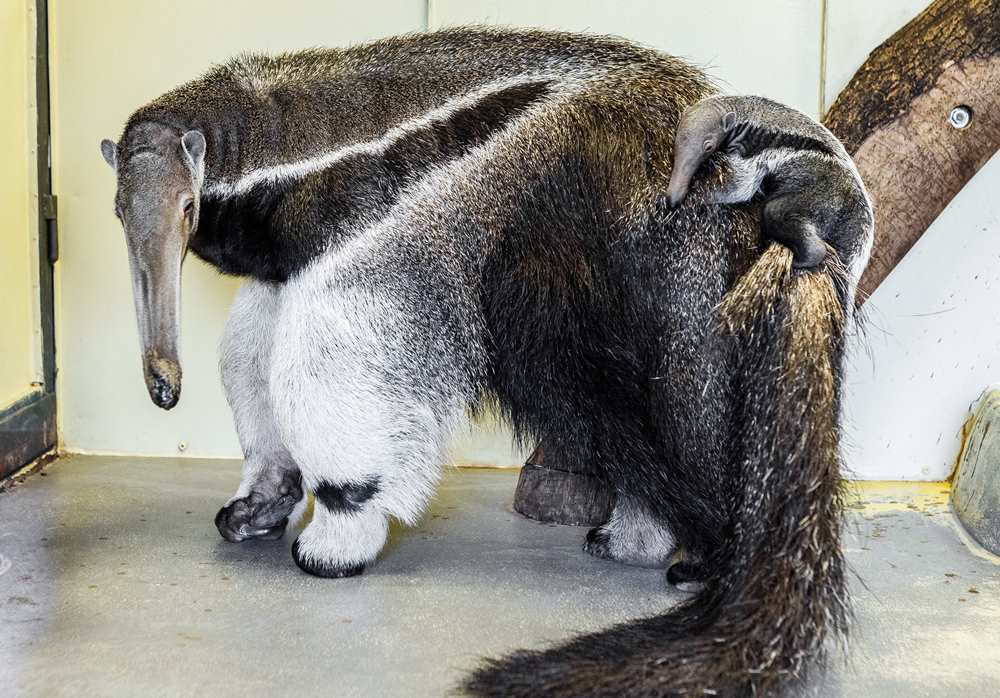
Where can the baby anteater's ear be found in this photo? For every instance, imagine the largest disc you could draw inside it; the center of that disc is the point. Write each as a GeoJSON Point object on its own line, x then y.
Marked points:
{"type": "Point", "coordinates": [728, 120]}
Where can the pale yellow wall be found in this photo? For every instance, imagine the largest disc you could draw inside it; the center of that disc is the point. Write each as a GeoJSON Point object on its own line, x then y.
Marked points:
{"type": "Point", "coordinates": [108, 58]}
{"type": "Point", "coordinates": [18, 190]}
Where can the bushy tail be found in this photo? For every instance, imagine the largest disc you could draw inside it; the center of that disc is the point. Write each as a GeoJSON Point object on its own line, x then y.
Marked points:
{"type": "Point", "coordinates": [758, 627]}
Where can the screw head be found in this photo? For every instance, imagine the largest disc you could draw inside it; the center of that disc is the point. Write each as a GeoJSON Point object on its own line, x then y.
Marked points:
{"type": "Point", "coordinates": [960, 116]}
{"type": "Point", "coordinates": [182, 446]}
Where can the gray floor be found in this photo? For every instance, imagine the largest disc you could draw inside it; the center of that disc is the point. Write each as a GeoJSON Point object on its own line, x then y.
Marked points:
{"type": "Point", "coordinates": [113, 581]}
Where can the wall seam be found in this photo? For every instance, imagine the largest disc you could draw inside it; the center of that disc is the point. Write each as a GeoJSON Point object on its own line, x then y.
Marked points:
{"type": "Point", "coordinates": [823, 29]}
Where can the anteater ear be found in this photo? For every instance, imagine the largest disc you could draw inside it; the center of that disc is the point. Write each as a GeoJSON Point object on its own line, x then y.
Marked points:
{"type": "Point", "coordinates": [728, 120]}
{"type": "Point", "coordinates": [110, 152]}
{"type": "Point", "coordinates": [194, 147]}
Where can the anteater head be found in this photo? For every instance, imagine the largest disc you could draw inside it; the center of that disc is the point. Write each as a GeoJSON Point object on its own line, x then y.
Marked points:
{"type": "Point", "coordinates": [160, 173]}
{"type": "Point", "coordinates": [703, 130]}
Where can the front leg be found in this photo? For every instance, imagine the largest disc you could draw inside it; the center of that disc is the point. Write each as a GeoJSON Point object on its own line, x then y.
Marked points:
{"type": "Point", "coordinates": [366, 395]}
{"type": "Point", "coordinates": [271, 486]}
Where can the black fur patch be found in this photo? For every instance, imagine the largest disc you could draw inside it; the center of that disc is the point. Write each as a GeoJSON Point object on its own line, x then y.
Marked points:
{"type": "Point", "coordinates": [275, 229]}
{"type": "Point", "coordinates": [348, 497]}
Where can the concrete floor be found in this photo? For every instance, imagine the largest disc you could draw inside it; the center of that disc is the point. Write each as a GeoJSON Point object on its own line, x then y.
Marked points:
{"type": "Point", "coordinates": [113, 581]}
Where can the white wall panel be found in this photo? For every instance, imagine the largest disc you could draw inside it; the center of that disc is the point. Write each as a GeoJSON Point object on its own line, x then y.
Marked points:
{"type": "Point", "coordinates": [767, 47]}
{"type": "Point", "coordinates": [854, 28]}
{"type": "Point", "coordinates": [933, 343]}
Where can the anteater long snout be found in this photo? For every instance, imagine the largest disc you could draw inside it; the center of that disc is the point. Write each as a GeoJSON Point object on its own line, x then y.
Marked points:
{"type": "Point", "coordinates": [156, 289]}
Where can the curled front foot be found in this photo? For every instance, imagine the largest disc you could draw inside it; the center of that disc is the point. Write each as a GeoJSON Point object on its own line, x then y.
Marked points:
{"type": "Point", "coordinates": [262, 514]}
{"type": "Point", "coordinates": [236, 523]}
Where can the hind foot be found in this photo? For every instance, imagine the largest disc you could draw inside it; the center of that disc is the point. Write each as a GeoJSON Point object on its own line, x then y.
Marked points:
{"type": "Point", "coordinates": [686, 575]}
{"type": "Point", "coordinates": [631, 536]}
{"type": "Point", "coordinates": [263, 513]}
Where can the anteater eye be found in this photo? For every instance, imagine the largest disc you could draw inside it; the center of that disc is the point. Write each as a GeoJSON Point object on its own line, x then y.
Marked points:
{"type": "Point", "coordinates": [709, 146]}
{"type": "Point", "coordinates": [188, 206]}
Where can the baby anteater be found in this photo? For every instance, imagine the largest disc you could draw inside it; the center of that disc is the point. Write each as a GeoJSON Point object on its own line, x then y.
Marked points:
{"type": "Point", "coordinates": [813, 193]}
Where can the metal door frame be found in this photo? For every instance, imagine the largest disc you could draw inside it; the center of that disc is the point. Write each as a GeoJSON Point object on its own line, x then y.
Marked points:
{"type": "Point", "coordinates": [28, 427]}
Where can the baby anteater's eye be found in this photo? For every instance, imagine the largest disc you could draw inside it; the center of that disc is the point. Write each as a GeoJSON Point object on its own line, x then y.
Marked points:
{"type": "Point", "coordinates": [709, 145]}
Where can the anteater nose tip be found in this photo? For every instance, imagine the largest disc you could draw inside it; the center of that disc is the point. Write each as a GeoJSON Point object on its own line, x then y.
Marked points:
{"type": "Point", "coordinates": [163, 380]}
{"type": "Point", "coordinates": [163, 394]}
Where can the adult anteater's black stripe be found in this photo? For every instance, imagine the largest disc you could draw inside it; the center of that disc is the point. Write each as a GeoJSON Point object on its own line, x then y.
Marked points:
{"type": "Point", "coordinates": [275, 229]}
{"type": "Point", "coordinates": [346, 497]}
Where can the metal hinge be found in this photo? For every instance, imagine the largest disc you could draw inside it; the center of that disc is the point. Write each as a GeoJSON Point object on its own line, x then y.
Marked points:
{"type": "Point", "coordinates": [49, 212]}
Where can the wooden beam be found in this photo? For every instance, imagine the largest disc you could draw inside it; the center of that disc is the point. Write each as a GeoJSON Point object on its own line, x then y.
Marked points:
{"type": "Point", "coordinates": [893, 117]}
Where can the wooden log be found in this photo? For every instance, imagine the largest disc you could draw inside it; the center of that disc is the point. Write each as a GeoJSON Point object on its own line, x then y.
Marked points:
{"type": "Point", "coordinates": [565, 493]}
{"type": "Point", "coordinates": [893, 117]}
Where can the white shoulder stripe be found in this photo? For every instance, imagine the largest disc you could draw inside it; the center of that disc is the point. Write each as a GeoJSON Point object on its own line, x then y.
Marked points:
{"type": "Point", "coordinates": [321, 161]}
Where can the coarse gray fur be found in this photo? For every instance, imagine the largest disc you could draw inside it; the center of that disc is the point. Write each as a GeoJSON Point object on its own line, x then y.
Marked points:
{"type": "Point", "coordinates": [812, 190]}
{"type": "Point", "coordinates": [438, 223]}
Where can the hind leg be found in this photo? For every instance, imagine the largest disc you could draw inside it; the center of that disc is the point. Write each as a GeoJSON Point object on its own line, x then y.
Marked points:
{"type": "Point", "coordinates": [366, 395]}
{"type": "Point", "coordinates": [631, 535]}
{"type": "Point", "coordinates": [789, 220]}
{"type": "Point", "coordinates": [685, 477]}
{"type": "Point", "coordinates": [635, 532]}
{"type": "Point", "coordinates": [270, 489]}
